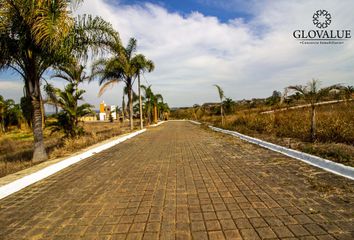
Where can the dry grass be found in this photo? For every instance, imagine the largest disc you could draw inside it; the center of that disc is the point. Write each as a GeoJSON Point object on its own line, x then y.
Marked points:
{"type": "Point", "coordinates": [16, 146]}
{"type": "Point", "coordinates": [335, 128]}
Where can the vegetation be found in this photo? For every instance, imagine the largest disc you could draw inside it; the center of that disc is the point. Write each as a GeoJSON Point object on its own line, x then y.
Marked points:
{"type": "Point", "coordinates": [312, 94]}
{"type": "Point", "coordinates": [124, 66]}
{"type": "Point", "coordinates": [153, 105]}
{"type": "Point", "coordinates": [289, 127]}
{"type": "Point", "coordinates": [14, 158]}
{"type": "Point", "coordinates": [10, 114]}
{"type": "Point", "coordinates": [221, 96]}
{"type": "Point", "coordinates": [37, 35]}
{"type": "Point", "coordinates": [68, 119]}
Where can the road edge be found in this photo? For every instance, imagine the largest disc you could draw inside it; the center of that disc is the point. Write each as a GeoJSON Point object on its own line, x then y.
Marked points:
{"type": "Point", "coordinates": [324, 164]}
{"type": "Point", "coordinates": [28, 180]}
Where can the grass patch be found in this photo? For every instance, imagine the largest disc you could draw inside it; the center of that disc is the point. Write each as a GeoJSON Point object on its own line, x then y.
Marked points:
{"type": "Point", "coordinates": [16, 147]}
{"type": "Point", "coordinates": [291, 128]}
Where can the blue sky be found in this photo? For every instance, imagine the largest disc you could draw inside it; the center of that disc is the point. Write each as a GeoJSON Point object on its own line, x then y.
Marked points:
{"type": "Point", "coordinates": [220, 9]}
{"type": "Point", "coordinates": [246, 47]}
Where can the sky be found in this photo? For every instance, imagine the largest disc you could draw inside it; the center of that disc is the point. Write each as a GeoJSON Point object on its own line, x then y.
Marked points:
{"type": "Point", "coordinates": [246, 47]}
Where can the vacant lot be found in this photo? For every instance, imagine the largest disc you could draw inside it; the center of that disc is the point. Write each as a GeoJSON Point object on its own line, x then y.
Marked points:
{"type": "Point", "coordinates": [291, 128]}
{"type": "Point", "coordinates": [16, 146]}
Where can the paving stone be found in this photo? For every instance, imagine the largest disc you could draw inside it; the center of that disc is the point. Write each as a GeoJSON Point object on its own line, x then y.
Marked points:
{"type": "Point", "coordinates": [266, 233]}
{"type": "Point", "coordinates": [180, 181]}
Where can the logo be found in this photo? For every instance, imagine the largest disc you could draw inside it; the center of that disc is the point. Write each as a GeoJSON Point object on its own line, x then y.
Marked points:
{"type": "Point", "coordinates": [322, 19]}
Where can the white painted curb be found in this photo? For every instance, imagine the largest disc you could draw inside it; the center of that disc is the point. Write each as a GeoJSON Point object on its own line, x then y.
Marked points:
{"type": "Point", "coordinates": [322, 163]}
{"type": "Point", "coordinates": [157, 124]}
{"type": "Point", "coordinates": [21, 183]}
{"type": "Point", "coordinates": [194, 122]}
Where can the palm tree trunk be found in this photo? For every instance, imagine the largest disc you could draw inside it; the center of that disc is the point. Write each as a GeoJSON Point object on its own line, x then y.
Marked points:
{"type": "Point", "coordinates": [130, 96]}
{"type": "Point", "coordinates": [140, 104]}
{"type": "Point", "coordinates": [155, 113]}
{"type": "Point", "coordinates": [313, 123]}
{"type": "Point", "coordinates": [123, 110]}
{"type": "Point", "coordinates": [39, 152]}
{"type": "Point", "coordinates": [149, 111]}
{"type": "Point", "coordinates": [222, 115]}
{"type": "Point", "coordinates": [33, 89]}
{"type": "Point", "coordinates": [43, 112]}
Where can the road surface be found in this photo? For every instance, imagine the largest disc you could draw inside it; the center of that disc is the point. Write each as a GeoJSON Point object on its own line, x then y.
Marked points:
{"type": "Point", "coordinates": [180, 181]}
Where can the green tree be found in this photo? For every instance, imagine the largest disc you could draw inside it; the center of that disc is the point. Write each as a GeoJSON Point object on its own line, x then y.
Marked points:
{"type": "Point", "coordinates": [151, 103]}
{"type": "Point", "coordinates": [274, 99]}
{"type": "Point", "coordinates": [69, 118]}
{"type": "Point", "coordinates": [347, 92]}
{"type": "Point", "coordinates": [221, 96]}
{"type": "Point", "coordinates": [2, 113]}
{"type": "Point", "coordinates": [142, 64]}
{"type": "Point", "coordinates": [10, 114]}
{"type": "Point", "coordinates": [312, 94]}
{"type": "Point", "coordinates": [74, 74]}
{"type": "Point", "coordinates": [52, 98]}
{"type": "Point", "coordinates": [148, 101]}
{"type": "Point", "coordinates": [124, 66]}
{"type": "Point", "coordinates": [36, 35]}
{"type": "Point", "coordinates": [229, 105]}
{"type": "Point", "coordinates": [164, 110]}
{"type": "Point", "coordinates": [27, 110]}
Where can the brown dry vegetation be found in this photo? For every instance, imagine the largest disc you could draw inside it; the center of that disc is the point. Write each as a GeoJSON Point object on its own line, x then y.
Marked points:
{"type": "Point", "coordinates": [16, 147]}
{"type": "Point", "coordinates": [291, 128]}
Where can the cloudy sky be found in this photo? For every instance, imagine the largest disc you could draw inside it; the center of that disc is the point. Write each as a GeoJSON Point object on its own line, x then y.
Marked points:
{"type": "Point", "coordinates": [246, 47]}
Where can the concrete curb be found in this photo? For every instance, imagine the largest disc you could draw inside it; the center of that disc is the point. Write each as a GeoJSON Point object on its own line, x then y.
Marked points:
{"type": "Point", "coordinates": [327, 165]}
{"type": "Point", "coordinates": [23, 182]}
{"type": "Point", "coordinates": [157, 124]}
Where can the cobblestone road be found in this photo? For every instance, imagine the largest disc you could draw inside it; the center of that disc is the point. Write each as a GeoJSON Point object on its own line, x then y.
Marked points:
{"type": "Point", "coordinates": [179, 181]}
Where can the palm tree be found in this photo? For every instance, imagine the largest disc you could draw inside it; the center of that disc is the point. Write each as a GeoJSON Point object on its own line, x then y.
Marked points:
{"type": "Point", "coordinates": [51, 98]}
{"type": "Point", "coordinates": [151, 103]}
{"type": "Point", "coordinates": [2, 113]}
{"type": "Point", "coordinates": [68, 119]}
{"type": "Point", "coordinates": [221, 96]}
{"type": "Point", "coordinates": [148, 97]}
{"type": "Point", "coordinates": [312, 94]}
{"type": "Point", "coordinates": [36, 35]}
{"type": "Point", "coordinates": [73, 72]}
{"type": "Point", "coordinates": [229, 105]}
{"type": "Point", "coordinates": [157, 99]}
{"type": "Point", "coordinates": [10, 114]}
{"type": "Point", "coordinates": [164, 110]}
{"type": "Point", "coordinates": [124, 66]}
{"type": "Point", "coordinates": [142, 64]}
{"type": "Point", "coordinates": [348, 92]}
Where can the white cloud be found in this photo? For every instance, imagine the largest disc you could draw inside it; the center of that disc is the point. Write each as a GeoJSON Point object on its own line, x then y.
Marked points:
{"type": "Point", "coordinates": [11, 89]}
{"type": "Point", "coordinates": [247, 57]}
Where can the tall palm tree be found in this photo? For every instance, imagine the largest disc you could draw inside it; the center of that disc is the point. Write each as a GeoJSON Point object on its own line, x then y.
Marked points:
{"type": "Point", "coordinates": [2, 113]}
{"type": "Point", "coordinates": [148, 97]}
{"type": "Point", "coordinates": [312, 94]}
{"type": "Point", "coordinates": [36, 35]}
{"type": "Point", "coordinates": [124, 66]}
{"type": "Point", "coordinates": [152, 102]}
{"type": "Point", "coordinates": [142, 64]}
{"type": "Point", "coordinates": [51, 97]}
{"type": "Point", "coordinates": [157, 99]}
{"type": "Point", "coordinates": [221, 96]}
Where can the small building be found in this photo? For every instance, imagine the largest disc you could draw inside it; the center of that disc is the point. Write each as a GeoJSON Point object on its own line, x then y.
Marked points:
{"type": "Point", "coordinates": [89, 118]}
{"type": "Point", "coordinates": [106, 111]}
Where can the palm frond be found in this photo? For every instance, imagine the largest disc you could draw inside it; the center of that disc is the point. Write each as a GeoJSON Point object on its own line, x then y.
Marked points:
{"type": "Point", "coordinates": [106, 85]}
{"type": "Point", "coordinates": [220, 91]}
